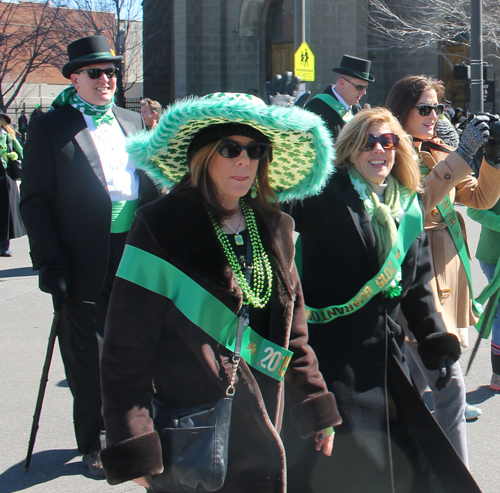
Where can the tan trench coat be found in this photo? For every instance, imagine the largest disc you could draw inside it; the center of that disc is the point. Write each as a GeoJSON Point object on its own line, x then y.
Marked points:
{"type": "Point", "coordinates": [450, 174]}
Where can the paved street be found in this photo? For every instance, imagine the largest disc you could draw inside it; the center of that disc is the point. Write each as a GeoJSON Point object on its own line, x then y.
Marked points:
{"type": "Point", "coordinates": [25, 319]}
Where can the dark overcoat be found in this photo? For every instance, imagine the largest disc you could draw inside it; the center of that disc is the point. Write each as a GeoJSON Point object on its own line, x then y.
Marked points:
{"type": "Point", "coordinates": [147, 337]}
{"type": "Point", "coordinates": [388, 441]}
{"type": "Point", "coordinates": [65, 203]}
{"type": "Point", "coordinates": [332, 119]}
{"type": "Point", "coordinates": [11, 225]}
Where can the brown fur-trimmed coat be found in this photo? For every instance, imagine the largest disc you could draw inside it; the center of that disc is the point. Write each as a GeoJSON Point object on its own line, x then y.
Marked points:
{"type": "Point", "coordinates": [148, 337]}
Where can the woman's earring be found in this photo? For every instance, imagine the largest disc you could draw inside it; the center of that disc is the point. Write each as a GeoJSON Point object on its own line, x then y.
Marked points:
{"type": "Point", "coordinates": [253, 191]}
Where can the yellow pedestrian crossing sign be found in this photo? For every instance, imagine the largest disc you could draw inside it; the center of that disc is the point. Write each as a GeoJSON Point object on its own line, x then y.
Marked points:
{"type": "Point", "coordinates": [304, 63]}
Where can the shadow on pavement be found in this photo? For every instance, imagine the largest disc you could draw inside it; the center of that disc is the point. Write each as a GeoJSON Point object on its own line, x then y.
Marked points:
{"type": "Point", "coordinates": [45, 466]}
{"type": "Point", "coordinates": [18, 272]}
{"type": "Point", "coordinates": [480, 395]}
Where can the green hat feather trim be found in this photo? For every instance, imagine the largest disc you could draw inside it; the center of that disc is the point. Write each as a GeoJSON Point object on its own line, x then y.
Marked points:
{"type": "Point", "coordinates": [302, 144]}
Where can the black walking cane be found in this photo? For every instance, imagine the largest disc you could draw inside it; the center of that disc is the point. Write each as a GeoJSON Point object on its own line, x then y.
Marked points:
{"type": "Point", "coordinates": [486, 316]}
{"type": "Point", "coordinates": [43, 380]}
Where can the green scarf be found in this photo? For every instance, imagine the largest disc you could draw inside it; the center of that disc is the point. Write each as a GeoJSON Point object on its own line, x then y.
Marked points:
{"type": "Point", "coordinates": [99, 114]}
{"type": "Point", "coordinates": [383, 217]}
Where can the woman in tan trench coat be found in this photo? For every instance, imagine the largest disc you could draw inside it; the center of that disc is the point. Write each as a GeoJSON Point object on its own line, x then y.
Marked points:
{"type": "Point", "coordinates": [414, 100]}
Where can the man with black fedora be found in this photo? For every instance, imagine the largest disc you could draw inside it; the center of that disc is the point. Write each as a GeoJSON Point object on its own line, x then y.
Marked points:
{"type": "Point", "coordinates": [339, 103]}
{"type": "Point", "coordinates": [79, 193]}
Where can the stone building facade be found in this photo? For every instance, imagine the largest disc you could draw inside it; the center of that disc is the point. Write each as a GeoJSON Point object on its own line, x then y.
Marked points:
{"type": "Point", "coordinates": [202, 46]}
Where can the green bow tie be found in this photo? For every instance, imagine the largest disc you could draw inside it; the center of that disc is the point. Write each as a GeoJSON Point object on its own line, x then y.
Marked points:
{"type": "Point", "coordinates": [106, 118]}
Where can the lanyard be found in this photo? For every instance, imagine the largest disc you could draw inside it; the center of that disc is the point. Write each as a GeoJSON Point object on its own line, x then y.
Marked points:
{"type": "Point", "coordinates": [411, 226]}
{"type": "Point", "coordinates": [202, 309]}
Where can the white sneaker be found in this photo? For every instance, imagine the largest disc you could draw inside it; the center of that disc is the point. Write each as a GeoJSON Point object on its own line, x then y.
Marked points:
{"type": "Point", "coordinates": [472, 412]}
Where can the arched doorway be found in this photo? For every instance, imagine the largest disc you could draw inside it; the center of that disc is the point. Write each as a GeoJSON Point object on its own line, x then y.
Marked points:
{"type": "Point", "coordinates": [280, 38]}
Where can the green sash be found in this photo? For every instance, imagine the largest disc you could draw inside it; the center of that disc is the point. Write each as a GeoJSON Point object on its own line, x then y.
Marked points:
{"type": "Point", "coordinates": [122, 215]}
{"type": "Point", "coordinates": [411, 226]}
{"type": "Point", "coordinates": [451, 219]}
{"type": "Point", "coordinates": [336, 106]}
{"type": "Point", "coordinates": [202, 309]}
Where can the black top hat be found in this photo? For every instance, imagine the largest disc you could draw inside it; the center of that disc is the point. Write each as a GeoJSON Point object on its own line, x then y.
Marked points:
{"type": "Point", "coordinates": [355, 67]}
{"type": "Point", "coordinates": [5, 117]}
{"type": "Point", "coordinates": [86, 51]}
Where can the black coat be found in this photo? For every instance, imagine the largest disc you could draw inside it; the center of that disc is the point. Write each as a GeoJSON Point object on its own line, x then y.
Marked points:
{"type": "Point", "coordinates": [388, 441]}
{"type": "Point", "coordinates": [65, 204]}
{"type": "Point", "coordinates": [148, 337]}
{"type": "Point", "coordinates": [332, 119]}
{"type": "Point", "coordinates": [11, 225]}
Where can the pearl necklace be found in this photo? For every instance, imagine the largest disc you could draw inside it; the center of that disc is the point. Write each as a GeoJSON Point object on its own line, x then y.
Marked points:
{"type": "Point", "coordinates": [258, 292]}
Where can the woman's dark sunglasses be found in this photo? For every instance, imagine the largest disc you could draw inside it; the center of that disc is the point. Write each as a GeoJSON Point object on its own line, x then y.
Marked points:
{"type": "Point", "coordinates": [387, 141]}
{"type": "Point", "coordinates": [95, 73]}
{"type": "Point", "coordinates": [230, 150]}
{"type": "Point", "coordinates": [426, 109]}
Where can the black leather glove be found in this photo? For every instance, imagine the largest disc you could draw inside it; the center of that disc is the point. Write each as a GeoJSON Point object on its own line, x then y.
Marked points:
{"type": "Point", "coordinates": [492, 147]}
{"type": "Point", "coordinates": [54, 279]}
{"type": "Point", "coordinates": [283, 91]}
{"type": "Point", "coordinates": [475, 135]}
{"type": "Point", "coordinates": [444, 369]}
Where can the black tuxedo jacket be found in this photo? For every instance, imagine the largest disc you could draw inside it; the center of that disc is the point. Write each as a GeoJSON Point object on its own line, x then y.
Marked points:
{"type": "Point", "coordinates": [65, 204]}
{"type": "Point", "coordinates": [332, 119]}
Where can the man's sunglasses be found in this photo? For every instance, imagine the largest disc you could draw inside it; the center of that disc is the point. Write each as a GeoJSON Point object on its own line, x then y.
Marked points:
{"type": "Point", "coordinates": [356, 86]}
{"type": "Point", "coordinates": [230, 150]}
{"type": "Point", "coordinates": [387, 141]}
{"type": "Point", "coordinates": [426, 109]}
{"type": "Point", "coordinates": [95, 73]}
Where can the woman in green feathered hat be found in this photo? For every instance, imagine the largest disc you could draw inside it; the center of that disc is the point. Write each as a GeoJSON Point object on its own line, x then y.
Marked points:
{"type": "Point", "coordinates": [213, 255]}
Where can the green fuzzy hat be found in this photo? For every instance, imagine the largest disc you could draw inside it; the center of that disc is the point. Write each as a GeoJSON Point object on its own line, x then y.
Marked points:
{"type": "Point", "coordinates": [302, 144]}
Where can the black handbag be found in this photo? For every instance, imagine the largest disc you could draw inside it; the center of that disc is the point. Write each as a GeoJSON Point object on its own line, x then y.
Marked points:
{"type": "Point", "coordinates": [195, 441]}
{"type": "Point", "coordinates": [194, 444]}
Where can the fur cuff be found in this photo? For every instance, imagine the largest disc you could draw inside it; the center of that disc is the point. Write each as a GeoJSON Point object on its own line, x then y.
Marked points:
{"type": "Point", "coordinates": [315, 414]}
{"type": "Point", "coordinates": [133, 458]}
{"type": "Point", "coordinates": [436, 345]}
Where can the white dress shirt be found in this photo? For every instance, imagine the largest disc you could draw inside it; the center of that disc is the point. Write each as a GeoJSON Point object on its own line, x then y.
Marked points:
{"type": "Point", "coordinates": [117, 165]}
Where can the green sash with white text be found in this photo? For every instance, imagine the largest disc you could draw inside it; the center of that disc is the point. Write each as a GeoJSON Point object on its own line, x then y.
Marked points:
{"type": "Point", "coordinates": [410, 227]}
{"type": "Point", "coordinates": [336, 106]}
{"type": "Point", "coordinates": [202, 309]}
{"type": "Point", "coordinates": [451, 219]}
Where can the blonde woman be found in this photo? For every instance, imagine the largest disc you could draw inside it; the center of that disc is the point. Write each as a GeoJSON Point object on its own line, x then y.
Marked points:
{"type": "Point", "coordinates": [365, 259]}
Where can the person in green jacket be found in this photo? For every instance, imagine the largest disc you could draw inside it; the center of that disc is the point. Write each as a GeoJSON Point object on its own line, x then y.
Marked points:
{"type": "Point", "coordinates": [11, 225]}
{"type": "Point", "coordinates": [488, 253]}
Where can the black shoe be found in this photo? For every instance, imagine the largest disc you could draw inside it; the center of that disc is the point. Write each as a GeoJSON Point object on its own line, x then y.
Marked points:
{"type": "Point", "coordinates": [93, 462]}
{"type": "Point", "coordinates": [7, 253]}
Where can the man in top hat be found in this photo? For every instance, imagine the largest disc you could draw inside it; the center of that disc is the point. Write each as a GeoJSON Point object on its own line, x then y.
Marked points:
{"type": "Point", "coordinates": [339, 103]}
{"type": "Point", "coordinates": [79, 194]}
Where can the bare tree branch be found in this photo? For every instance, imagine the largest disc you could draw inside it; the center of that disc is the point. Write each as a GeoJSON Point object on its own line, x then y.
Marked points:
{"type": "Point", "coordinates": [416, 25]}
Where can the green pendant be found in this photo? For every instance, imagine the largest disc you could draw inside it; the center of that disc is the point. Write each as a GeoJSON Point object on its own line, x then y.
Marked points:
{"type": "Point", "coordinates": [238, 239]}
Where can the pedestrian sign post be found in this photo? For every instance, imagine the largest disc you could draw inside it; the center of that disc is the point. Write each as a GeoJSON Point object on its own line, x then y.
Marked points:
{"type": "Point", "coordinates": [304, 63]}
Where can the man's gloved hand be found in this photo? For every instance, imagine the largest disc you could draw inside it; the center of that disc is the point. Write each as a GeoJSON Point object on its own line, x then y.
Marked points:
{"type": "Point", "coordinates": [54, 279]}
{"type": "Point", "coordinates": [284, 89]}
{"type": "Point", "coordinates": [474, 136]}
{"type": "Point", "coordinates": [444, 369]}
{"type": "Point", "coordinates": [492, 147]}
{"type": "Point", "coordinates": [13, 156]}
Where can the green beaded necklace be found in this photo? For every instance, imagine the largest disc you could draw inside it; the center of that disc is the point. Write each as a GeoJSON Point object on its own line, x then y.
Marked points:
{"type": "Point", "coordinates": [262, 273]}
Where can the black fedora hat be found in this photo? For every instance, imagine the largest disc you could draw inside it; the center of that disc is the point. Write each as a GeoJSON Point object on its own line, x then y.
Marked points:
{"type": "Point", "coordinates": [5, 117]}
{"type": "Point", "coordinates": [86, 51]}
{"type": "Point", "coordinates": [355, 67]}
